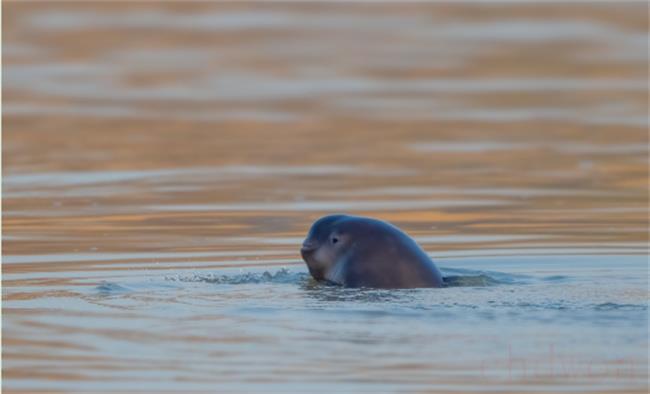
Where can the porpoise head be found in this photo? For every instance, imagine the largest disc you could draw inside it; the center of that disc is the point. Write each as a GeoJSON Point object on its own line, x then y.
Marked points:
{"type": "Point", "coordinates": [325, 243]}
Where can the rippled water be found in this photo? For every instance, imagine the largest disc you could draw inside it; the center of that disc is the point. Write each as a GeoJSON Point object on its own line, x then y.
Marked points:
{"type": "Point", "coordinates": [162, 163]}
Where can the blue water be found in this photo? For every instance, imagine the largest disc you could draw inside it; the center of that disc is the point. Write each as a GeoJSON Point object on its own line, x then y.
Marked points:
{"type": "Point", "coordinates": [572, 323]}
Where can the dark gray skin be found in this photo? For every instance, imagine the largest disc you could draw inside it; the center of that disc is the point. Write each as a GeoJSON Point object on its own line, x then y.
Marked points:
{"type": "Point", "coordinates": [355, 251]}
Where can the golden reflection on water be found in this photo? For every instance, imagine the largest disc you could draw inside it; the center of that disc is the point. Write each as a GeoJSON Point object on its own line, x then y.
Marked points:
{"type": "Point", "coordinates": [169, 136]}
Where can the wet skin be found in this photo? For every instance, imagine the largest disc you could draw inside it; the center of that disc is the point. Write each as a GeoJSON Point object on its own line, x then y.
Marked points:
{"type": "Point", "coordinates": [355, 251]}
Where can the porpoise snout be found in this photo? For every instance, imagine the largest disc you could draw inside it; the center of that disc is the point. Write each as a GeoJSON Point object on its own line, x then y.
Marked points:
{"type": "Point", "coordinates": [308, 245]}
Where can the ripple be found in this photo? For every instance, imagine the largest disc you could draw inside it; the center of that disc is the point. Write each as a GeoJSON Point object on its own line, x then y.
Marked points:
{"type": "Point", "coordinates": [570, 148]}
{"type": "Point", "coordinates": [105, 256]}
{"type": "Point", "coordinates": [368, 205]}
{"type": "Point", "coordinates": [94, 177]}
{"type": "Point", "coordinates": [110, 288]}
{"type": "Point", "coordinates": [612, 306]}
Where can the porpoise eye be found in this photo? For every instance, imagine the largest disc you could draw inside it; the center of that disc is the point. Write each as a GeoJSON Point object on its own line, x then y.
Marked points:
{"type": "Point", "coordinates": [335, 240]}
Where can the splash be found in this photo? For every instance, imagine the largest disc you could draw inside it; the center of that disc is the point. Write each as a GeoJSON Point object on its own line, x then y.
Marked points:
{"type": "Point", "coordinates": [452, 278]}
{"type": "Point", "coordinates": [281, 276]}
